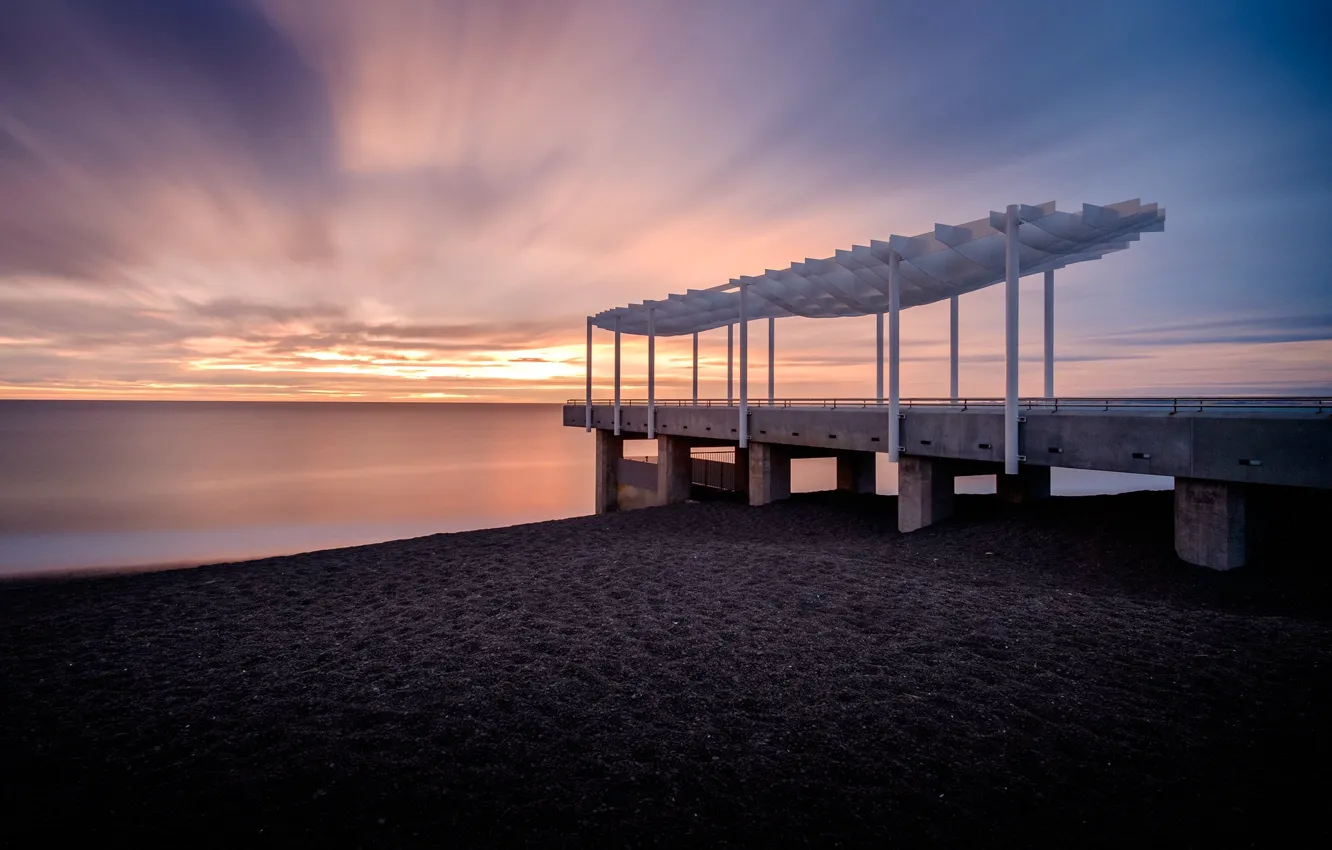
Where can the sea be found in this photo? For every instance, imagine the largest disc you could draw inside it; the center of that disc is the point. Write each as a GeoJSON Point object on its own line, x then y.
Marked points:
{"type": "Point", "coordinates": [89, 486]}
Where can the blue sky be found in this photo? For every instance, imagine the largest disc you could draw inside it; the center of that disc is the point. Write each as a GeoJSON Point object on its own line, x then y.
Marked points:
{"type": "Point", "coordinates": [420, 200]}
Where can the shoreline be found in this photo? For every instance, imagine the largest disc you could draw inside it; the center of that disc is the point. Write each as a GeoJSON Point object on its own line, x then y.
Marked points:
{"type": "Point", "coordinates": [702, 673]}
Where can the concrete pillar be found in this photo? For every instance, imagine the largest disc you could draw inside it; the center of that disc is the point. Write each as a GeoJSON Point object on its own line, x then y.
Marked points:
{"type": "Point", "coordinates": [610, 448]}
{"type": "Point", "coordinates": [742, 470]}
{"type": "Point", "coordinates": [1030, 484]}
{"type": "Point", "coordinates": [1211, 523]}
{"type": "Point", "coordinates": [924, 492]}
{"type": "Point", "coordinates": [674, 470]}
{"type": "Point", "coordinates": [769, 473]}
{"type": "Point", "coordinates": [855, 472]}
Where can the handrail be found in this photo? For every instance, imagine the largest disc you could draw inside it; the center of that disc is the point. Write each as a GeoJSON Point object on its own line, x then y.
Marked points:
{"type": "Point", "coordinates": [1175, 404]}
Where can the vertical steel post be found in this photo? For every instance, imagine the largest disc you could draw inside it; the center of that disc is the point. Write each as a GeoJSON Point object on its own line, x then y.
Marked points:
{"type": "Point", "coordinates": [743, 428]}
{"type": "Point", "coordinates": [587, 412]}
{"type": "Point", "coordinates": [695, 368]}
{"type": "Point", "coordinates": [952, 348]}
{"type": "Point", "coordinates": [894, 356]}
{"type": "Point", "coordinates": [617, 376]}
{"type": "Point", "coordinates": [772, 361]}
{"type": "Point", "coordinates": [1012, 270]}
{"type": "Point", "coordinates": [878, 357]}
{"type": "Point", "coordinates": [730, 365]}
{"type": "Point", "coordinates": [652, 373]}
{"type": "Point", "coordinates": [1049, 334]}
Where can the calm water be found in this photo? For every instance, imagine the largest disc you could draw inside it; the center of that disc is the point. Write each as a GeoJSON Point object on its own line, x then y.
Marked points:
{"type": "Point", "coordinates": [114, 484]}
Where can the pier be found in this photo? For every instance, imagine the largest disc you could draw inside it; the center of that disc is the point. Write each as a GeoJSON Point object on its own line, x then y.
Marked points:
{"type": "Point", "coordinates": [1224, 453]}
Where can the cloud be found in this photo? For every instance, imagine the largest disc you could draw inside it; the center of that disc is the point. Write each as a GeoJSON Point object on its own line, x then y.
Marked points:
{"type": "Point", "coordinates": [1250, 330]}
{"type": "Point", "coordinates": [192, 194]}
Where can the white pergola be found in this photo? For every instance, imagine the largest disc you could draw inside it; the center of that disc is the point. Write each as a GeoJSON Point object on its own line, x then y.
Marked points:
{"type": "Point", "coordinates": [885, 278]}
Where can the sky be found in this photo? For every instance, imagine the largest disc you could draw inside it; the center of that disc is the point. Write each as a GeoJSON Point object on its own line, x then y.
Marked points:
{"type": "Point", "coordinates": [421, 200]}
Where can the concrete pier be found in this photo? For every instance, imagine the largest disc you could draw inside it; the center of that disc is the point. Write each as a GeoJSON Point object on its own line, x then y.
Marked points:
{"type": "Point", "coordinates": [610, 450]}
{"type": "Point", "coordinates": [924, 492]}
{"type": "Point", "coordinates": [1211, 523]}
{"type": "Point", "coordinates": [673, 470]}
{"type": "Point", "coordinates": [769, 473]}
{"type": "Point", "coordinates": [856, 472]}
{"type": "Point", "coordinates": [1029, 485]}
{"type": "Point", "coordinates": [1220, 452]}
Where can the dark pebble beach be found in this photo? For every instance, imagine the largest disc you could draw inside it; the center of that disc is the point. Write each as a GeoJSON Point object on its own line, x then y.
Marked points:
{"type": "Point", "coordinates": [702, 674]}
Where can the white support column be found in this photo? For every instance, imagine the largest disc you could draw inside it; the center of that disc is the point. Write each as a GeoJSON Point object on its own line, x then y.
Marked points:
{"type": "Point", "coordinates": [695, 368]}
{"type": "Point", "coordinates": [743, 429]}
{"type": "Point", "coordinates": [587, 412]}
{"type": "Point", "coordinates": [730, 365]}
{"type": "Point", "coordinates": [952, 348]}
{"type": "Point", "coordinates": [878, 357]}
{"type": "Point", "coordinates": [772, 361]}
{"type": "Point", "coordinates": [652, 373]}
{"type": "Point", "coordinates": [617, 376]}
{"type": "Point", "coordinates": [1049, 334]}
{"type": "Point", "coordinates": [1012, 270]}
{"type": "Point", "coordinates": [894, 356]}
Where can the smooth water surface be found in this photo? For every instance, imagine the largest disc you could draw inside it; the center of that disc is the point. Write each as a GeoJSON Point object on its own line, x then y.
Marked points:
{"type": "Point", "coordinates": [105, 484]}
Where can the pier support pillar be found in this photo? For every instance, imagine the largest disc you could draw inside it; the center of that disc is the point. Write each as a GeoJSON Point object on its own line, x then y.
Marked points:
{"type": "Point", "coordinates": [742, 471]}
{"type": "Point", "coordinates": [1030, 484]}
{"type": "Point", "coordinates": [769, 473]}
{"type": "Point", "coordinates": [1211, 523]}
{"type": "Point", "coordinates": [610, 449]}
{"type": "Point", "coordinates": [924, 492]}
{"type": "Point", "coordinates": [855, 472]}
{"type": "Point", "coordinates": [674, 470]}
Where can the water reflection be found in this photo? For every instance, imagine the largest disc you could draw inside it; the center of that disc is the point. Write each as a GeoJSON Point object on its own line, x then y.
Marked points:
{"type": "Point", "coordinates": [105, 484]}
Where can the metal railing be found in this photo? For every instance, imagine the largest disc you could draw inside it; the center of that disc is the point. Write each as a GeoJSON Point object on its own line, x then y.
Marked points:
{"type": "Point", "coordinates": [1198, 404]}
{"type": "Point", "coordinates": [713, 468]}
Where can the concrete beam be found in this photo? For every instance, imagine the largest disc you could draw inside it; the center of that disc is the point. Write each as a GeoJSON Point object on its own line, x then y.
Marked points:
{"type": "Point", "coordinates": [673, 470]}
{"type": "Point", "coordinates": [1211, 523]}
{"type": "Point", "coordinates": [769, 473]}
{"type": "Point", "coordinates": [610, 449]}
{"type": "Point", "coordinates": [856, 472]}
{"type": "Point", "coordinates": [924, 492]}
{"type": "Point", "coordinates": [1029, 485]}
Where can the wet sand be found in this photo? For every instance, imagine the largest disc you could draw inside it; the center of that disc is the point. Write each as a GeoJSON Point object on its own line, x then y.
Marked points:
{"type": "Point", "coordinates": [794, 675]}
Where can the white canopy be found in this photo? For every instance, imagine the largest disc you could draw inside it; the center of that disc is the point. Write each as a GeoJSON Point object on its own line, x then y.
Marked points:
{"type": "Point", "coordinates": [952, 260]}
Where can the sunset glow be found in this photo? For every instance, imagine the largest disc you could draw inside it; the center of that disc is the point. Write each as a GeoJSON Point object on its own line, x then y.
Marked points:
{"type": "Point", "coordinates": [419, 200]}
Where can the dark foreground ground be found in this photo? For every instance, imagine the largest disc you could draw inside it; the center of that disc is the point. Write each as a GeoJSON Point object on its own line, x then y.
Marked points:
{"type": "Point", "coordinates": [702, 674]}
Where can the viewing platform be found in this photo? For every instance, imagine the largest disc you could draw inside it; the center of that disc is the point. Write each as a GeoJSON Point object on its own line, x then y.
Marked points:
{"type": "Point", "coordinates": [1223, 452]}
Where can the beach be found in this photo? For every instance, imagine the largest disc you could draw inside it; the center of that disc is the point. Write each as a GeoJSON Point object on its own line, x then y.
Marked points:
{"type": "Point", "coordinates": [794, 675]}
